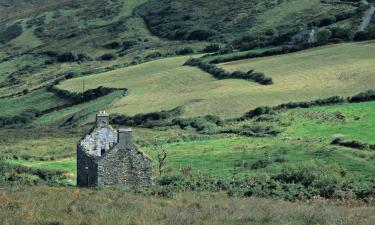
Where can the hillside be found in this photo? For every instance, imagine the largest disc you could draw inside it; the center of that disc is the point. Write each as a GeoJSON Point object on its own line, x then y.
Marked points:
{"type": "Point", "coordinates": [165, 84]}
{"type": "Point", "coordinates": [264, 109]}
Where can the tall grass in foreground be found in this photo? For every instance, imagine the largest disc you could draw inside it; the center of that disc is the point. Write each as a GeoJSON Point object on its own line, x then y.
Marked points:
{"type": "Point", "coordinates": [53, 205]}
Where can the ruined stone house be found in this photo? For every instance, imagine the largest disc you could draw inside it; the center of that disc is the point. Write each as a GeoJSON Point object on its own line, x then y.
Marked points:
{"type": "Point", "coordinates": [108, 157]}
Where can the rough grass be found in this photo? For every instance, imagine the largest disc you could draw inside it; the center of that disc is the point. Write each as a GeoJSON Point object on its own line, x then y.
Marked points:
{"type": "Point", "coordinates": [58, 205]}
{"type": "Point", "coordinates": [344, 70]}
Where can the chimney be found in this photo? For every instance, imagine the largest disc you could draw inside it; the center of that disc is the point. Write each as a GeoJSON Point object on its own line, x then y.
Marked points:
{"type": "Point", "coordinates": [102, 119]}
{"type": "Point", "coordinates": [125, 138]}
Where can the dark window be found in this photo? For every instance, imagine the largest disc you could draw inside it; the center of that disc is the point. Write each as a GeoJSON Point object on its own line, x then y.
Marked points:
{"type": "Point", "coordinates": [102, 152]}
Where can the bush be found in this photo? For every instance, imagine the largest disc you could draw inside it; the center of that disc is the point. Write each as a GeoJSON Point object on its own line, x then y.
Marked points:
{"type": "Point", "coordinates": [323, 36]}
{"type": "Point", "coordinates": [107, 57]}
{"type": "Point", "coordinates": [149, 120]}
{"type": "Point", "coordinates": [184, 51]}
{"type": "Point", "coordinates": [128, 44]}
{"type": "Point", "coordinates": [342, 33]}
{"type": "Point", "coordinates": [350, 143]}
{"type": "Point", "coordinates": [83, 57]}
{"type": "Point", "coordinates": [200, 35]}
{"type": "Point", "coordinates": [66, 57]}
{"type": "Point", "coordinates": [363, 97]}
{"type": "Point", "coordinates": [10, 33]}
{"type": "Point", "coordinates": [112, 45]}
{"type": "Point", "coordinates": [211, 48]}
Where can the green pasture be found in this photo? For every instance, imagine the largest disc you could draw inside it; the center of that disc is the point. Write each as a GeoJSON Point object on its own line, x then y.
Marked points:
{"type": "Point", "coordinates": [355, 121]}
{"type": "Point", "coordinates": [344, 70]}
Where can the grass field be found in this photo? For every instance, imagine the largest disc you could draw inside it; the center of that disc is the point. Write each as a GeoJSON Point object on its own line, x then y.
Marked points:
{"type": "Point", "coordinates": [354, 121]}
{"type": "Point", "coordinates": [81, 113]}
{"type": "Point", "coordinates": [164, 84]}
{"type": "Point", "coordinates": [58, 205]}
{"type": "Point", "coordinates": [38, 100]}
{"type": "Point", "coordinates": [305, 138]}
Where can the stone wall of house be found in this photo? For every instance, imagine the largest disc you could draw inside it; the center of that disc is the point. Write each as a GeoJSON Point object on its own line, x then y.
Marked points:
{"type": "Point", "coordinates": [125, 167]}
{"type": "Point", "coordinates": [87, 169]}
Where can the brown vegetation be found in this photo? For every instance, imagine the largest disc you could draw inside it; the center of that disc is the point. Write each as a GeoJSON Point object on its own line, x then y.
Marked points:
{"type": "Point", "coordinates": [58, 205]}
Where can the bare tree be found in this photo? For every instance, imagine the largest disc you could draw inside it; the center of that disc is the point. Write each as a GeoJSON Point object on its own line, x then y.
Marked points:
{"type": "Point", "coordinates": [162, 156]}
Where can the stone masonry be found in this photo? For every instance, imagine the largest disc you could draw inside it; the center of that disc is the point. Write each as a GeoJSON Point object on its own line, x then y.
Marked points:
{"type": "Point", "coordinates": [108, 157]}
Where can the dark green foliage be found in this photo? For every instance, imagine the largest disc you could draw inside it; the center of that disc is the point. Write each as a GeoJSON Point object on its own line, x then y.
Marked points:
{"type": "Point", "coordinates": [262, 163]}
{"type": "Point", "coordinates": [107, 56]}
{"type": "Point", "coordinates": [16, 174]}
{"type": "Point", "coordinates": [153, 119]}
{"type": "Point", "coordinates": [351, 144]}
{"type": "Point", "coordinates": [85, 96]}
{"type": "Point", "coordinates": [153, 55]}
{"type": "Point", "coordinates": [345, 34]}
{"type": "Point", "coordinates": [220, 74]}
{"type": "Point", "coordinates": [204, 124]}
{"type": "Point", "coordinates": [128, 44]}
{"type": "Point", "coordinates": [184, 51]}
{"type": "Point", "coordinates": [211, 48]}
{"type": "Point", "coordinates": [9, 33]}
{"type": "Point", "coordinates": [200, 35]}
{"type": "Point", "coordinates": [112, 45]}
{"type": "Point", "coordinates": [66, 57]}
{"type": "Point", "coordinates": [258, 111]}
{"type": "Point", "coordinates": [253, 54]}
{"type": "Point", "coordinates": [264, 110]}
{"type": "Point", "coordinates": [82, 57]}
{"type": "Point", "coordinates": [26, 117]}
{"type": "Point", "coordinates": [363, 97]}
{"type": "Point", "coordinates": [293, 182]}
{"type": "Point", "coordinates": [323, 36]}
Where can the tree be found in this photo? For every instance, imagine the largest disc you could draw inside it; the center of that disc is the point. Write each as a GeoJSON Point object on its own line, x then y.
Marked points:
{"type": "Point", "coordinates": [162, 156]}
{"type": "Point", "coordinates": [324, 35]}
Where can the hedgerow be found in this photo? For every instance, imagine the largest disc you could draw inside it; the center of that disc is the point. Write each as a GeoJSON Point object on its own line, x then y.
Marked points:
{"type": "Point", "coordinates": [220, 73]}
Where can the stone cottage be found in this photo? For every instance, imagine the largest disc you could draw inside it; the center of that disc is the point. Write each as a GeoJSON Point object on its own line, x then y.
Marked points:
{"type": "Point", "coordinates": [108, 157]}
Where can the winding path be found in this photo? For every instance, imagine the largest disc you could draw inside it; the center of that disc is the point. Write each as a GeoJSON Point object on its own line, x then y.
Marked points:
{"type": "Point", "coordinates": [368, 16]}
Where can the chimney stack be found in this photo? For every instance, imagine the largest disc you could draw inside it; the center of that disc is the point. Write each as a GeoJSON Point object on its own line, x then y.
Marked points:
{"type": "Point", "coordinates": [102, 119]}
{"type": "Point", "coordinates": [125, 138]}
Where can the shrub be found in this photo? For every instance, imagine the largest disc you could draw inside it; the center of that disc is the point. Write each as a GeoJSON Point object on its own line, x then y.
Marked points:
{"type": "Point", "coordinates": [83, 57]}
{"type": "Point", "coordinates": [363, 97]}
{"type": "Point", "coordinates": [10, 33]}
{"type": "Point", "coordinates": [128, 44]}
{"type": "Point", "coordinates": [323, 36]}
{"type": "Point", "coordinates": [350, 143]}
{"type": "Point", "coordinates": [66, 57]}
{"type": "Point", "coordinates": [153, 119]}
{"type": "Point", "coordinates": [107, 57]}
{"type": "Point", "coordinates": [184, 51]}
{"type": "Point", "coordinates": [200, 35]}
{"type": "Point", "coordinates": [112, 45]}
{"type": "Point", "coordinates": [211, 48]}
{"type": "Point", "coordinates": [263, 163]}
{"type": "Point", "coordinates": [327, 21]}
